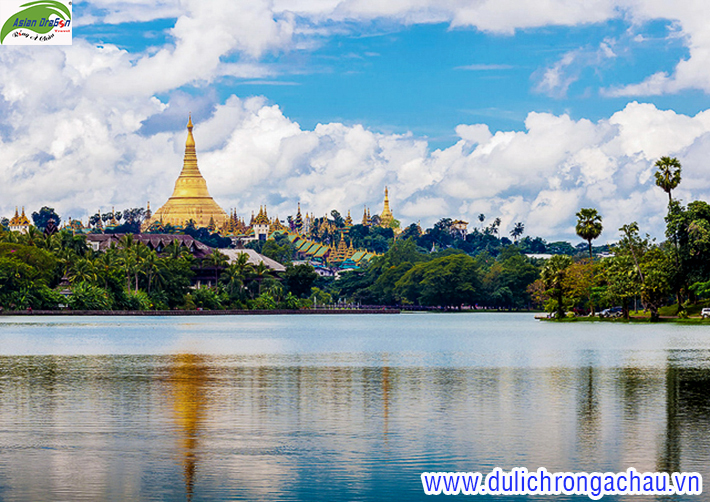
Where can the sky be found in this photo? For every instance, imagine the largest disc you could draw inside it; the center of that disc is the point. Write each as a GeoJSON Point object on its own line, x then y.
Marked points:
{"type": "Point", "coordinates": [523, 110]}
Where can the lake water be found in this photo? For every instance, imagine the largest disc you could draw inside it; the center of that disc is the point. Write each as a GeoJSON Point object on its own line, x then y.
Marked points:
{"type": "Point", "coordinates": [338, 407]}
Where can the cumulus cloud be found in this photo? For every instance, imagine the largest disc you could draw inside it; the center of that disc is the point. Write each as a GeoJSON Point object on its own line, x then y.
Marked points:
{"type": "Point", "coordinates": [91, 132]}
{"type": "Point", "coordinates": [94, 154]}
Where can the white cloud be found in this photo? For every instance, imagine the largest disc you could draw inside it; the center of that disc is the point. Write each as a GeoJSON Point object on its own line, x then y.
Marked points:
{"type": "Point", "coordinates": [251, 154]}
{"type": "Point", "coordinates": [556, 79]}
{"type": "Point", "coordinates": [77, 139]}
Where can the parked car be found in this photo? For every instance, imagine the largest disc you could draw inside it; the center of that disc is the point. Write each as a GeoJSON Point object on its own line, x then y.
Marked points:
{"type": "Point", "coordinates": [568, 314]}
{"type": "Point", "coordinates": [705, 313]}
{"type": "Point", "coordinates": [612, 312]}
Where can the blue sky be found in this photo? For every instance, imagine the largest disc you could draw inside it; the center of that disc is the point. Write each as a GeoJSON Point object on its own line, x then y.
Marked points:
{"type": "Point", "coordinates": [429, 78]}
{"type": "Point", "coordinates": [527, 113]}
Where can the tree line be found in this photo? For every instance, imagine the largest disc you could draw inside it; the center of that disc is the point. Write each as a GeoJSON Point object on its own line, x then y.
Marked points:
{"type": "Point", "coordinates": [443, 266]}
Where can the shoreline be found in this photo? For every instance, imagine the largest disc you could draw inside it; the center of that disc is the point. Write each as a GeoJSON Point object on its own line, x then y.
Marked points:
{"type": "Point", "coordinates": [168, 313]}
{"type": "Point", "coordinates": [630, 320]}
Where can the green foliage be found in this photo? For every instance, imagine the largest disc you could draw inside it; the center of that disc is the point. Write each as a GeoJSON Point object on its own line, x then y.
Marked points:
{"type": "Point", "coordinates": [86, 296]}
{"type": "Point", "coordinates": [667, 174]}
{"type": "Point", "coordinates": [589, 225]}
{"type": "Point", "coordinates": [41, 218]}
{"type": "Point", "coordinates": [203, 297]}
{"type": "Point", "coordinates": [450, 281]}
{"type": "Point", "coordinates": [299, 279]}
{"type": "Point", "coordinates": [138, 300]}
{"type": "Point", "coordinates": [553, 275]}
{"type": "Point", "coordinates": [622, 281]}
{"type": "Point", "coordinates": [279, 249]}
{"type": "Point", "coordinates": [506, 279]}
{"type": "Point", "coordinates": [174, 280]}
{"type": "Point", "coordinates": [42, 263]}
{"type": "Point", "coordinates": [320, 297]}
{"type": "Point", "coordinates": [291, 302]}
{"type": "Point", "coordinates": [264, 302]}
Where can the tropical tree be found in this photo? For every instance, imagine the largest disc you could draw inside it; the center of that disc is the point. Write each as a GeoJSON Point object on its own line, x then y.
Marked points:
{"type": "Point", "coordinates": [236, 275]}
{"type": "Point", "coordinates": [150, 267]}
{"type": "Point", "coordinates": [217, 261]}
{"type": "Point", "coordinates": [589, 226]}
{"type": "Point", "coordinates": [653, 267]}
{"type": "Point", "coordinates": [261, 272]}
{"type": "Point", "coordinates": [41, 218]}
{"type": "Point", "coordinates": [667, 174]}
{"type": "Point", "coordinates": [299, 279]}
{"type": "Point", "coordinates": [553, 276]}
{"type": "Point", "coordinates": [622, 282]}
{"type": "Point", "coordinates": [449, 281]}
{"type": "Point", "coordinates": [518, 230]}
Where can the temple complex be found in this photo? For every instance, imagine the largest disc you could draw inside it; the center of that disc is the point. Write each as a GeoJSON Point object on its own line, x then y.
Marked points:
{"type": "Point", "coordinates": [191, 199]}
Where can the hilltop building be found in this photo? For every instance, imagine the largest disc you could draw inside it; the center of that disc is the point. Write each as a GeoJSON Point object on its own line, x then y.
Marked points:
{"type": "Point", "coordinates": [461, 227]}
{"type": "Point", "coordinates": [20, 223]}
{"type": "Point", "coordinates": [191, 199]}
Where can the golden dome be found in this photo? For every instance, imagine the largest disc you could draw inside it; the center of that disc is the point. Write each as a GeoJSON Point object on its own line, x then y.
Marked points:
{"type": "Point", "coordinates": [190, 200]}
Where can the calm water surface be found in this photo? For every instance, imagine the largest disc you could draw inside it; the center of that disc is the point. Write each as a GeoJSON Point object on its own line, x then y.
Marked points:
{"type": "Point", "coordinates": [338, 407]}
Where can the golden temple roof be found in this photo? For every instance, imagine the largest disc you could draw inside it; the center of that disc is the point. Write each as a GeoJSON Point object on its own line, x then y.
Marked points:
{"type": "Point", "coordinates": [261, 218]}
{"type": "Point", "coordinates": [190, 200]}
{"type": "Point", "coordinates": [19, 220]}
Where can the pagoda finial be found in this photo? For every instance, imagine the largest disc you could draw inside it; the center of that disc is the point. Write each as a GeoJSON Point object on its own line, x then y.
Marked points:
{"type": "Point", "coordinates": [190, 138]}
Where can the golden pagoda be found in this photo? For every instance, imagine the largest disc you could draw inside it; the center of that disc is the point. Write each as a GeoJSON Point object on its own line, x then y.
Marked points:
{"type": "Point", "coordinates": [341, 253]}
{"type": "Point", "coordinates": [386, 217]}
{"type": "Point", "coordinates": [191, 200]}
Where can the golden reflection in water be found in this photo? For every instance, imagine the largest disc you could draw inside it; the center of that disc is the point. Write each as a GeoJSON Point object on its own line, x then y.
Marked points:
{"type": "Point", "coordinates": [188, 378]}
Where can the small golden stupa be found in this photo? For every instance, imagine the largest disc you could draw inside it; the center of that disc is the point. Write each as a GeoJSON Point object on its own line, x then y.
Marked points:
{"type": "Point", "coordinates": [386, 218]}
{"type": "Point", "coordinates": [190, 200]}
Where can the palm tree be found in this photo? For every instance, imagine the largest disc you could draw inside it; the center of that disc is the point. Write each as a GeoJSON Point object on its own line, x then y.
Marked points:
{"type": "Point", "coordinates": [217, 261]}
{"type": "Point", "coordinates": [261, 271]}
{"type": "Point", "coordinates": [105, 264]}
{"type": "Point", "coordinates": [176, 251]}
{"type": "Point", "coordinates": [236, 274]}
{"type": "Point", "coordinates": [667, 174]}
{"type": "Point", "coordinates": [518, 230]}
{"type": "Point", "coordinates": [83, 270]}
{"type": "Point", "coordinates": [589, 226]}
{"type": "Point", "coordinates": [150, 267]}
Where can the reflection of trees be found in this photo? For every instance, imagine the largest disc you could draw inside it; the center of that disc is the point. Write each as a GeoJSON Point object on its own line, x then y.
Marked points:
{"type": "Point", "coordinates": [188, 378]}
{"type": "Point", "coordinates": [633, 387]}
{"type": "Point", "coordinates": [669, 460]}
{"type": "Point", "coordinates": [588, 413]}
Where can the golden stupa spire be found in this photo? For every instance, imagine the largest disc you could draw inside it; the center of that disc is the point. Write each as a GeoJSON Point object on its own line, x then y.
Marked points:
{"type": "Point", "coordinates": [386, 217]}
{"type": "Point", "coordinates": [191, 200]}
